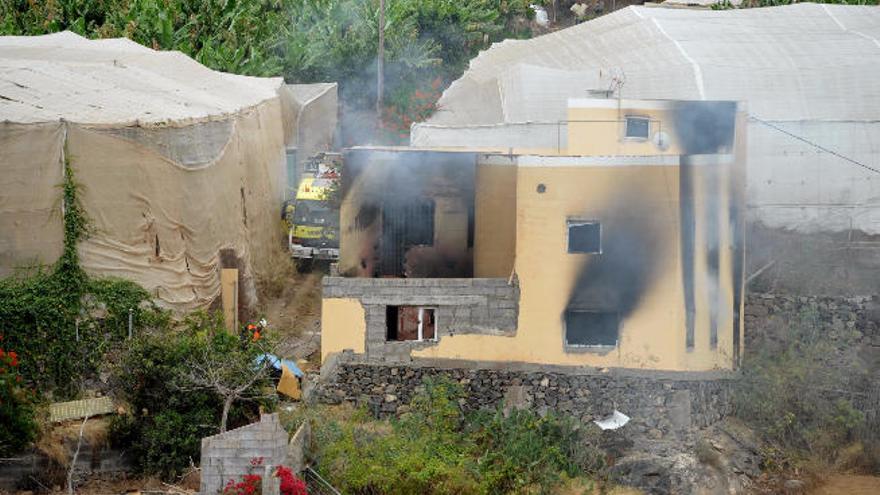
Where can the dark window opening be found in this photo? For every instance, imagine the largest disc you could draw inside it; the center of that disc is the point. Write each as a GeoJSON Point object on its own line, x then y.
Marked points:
{"type": "Point", "coordinates": [413, 323]}
{"type": "Point", "coordinates": [584, 237]}
{"type": "Point", "coordinates": [591, 328]}
{"type": "Point", "coordinates": [637, 127]}
{"type": "Point", "coordinates": [404, 225]}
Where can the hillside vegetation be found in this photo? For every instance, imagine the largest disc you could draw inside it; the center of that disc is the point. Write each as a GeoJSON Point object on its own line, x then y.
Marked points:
{"type": "Point", "coordinates": [427, 42]}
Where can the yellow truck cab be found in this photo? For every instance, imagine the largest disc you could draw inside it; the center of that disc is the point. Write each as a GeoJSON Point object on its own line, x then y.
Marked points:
{"type": "Point", "coordinates": [314, 223]}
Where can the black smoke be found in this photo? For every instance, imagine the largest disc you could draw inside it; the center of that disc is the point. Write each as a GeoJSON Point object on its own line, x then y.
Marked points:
{"type": "Point", "coordinates": [705, 127]}
{"type": "Point", "coordinates": [398, 192]}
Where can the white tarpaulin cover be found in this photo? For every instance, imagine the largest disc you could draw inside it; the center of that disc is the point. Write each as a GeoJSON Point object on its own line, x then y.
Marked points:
{"type": "Point", "coordinates": [181, 167]}
{"type": "Point", "coordinates": [811, 70]}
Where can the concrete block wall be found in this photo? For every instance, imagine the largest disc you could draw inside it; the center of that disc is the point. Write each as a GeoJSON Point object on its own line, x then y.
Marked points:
{"type": "Point", "coordinates": [464, 306]}
{"type": "Point", "coordinates": [228, 455]}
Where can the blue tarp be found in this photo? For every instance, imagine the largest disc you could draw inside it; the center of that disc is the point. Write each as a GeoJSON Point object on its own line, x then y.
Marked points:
{"type": "Point", "coordinates": [277, 362]}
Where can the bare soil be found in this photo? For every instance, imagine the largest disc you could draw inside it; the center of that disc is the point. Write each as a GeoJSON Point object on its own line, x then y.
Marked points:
{"type": "Point", "coordinates": [295, 314]}
{"type": "Point", "coordinates": [849, 484]}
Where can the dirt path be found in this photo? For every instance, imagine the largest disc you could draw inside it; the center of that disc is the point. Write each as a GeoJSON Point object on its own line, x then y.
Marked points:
{"type": "Point", "coordinates": [849, 484]}
{"type": "Point", "coordinates": [296, 315]}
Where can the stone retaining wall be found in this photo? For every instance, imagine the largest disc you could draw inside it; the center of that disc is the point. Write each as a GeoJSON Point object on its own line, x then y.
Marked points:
{"type": "Point", "coordinates": [31, 469]}
{"type": "Point", "coordinates": [849, 320]}
{"type": "Point", "coordinates": [660, 405]}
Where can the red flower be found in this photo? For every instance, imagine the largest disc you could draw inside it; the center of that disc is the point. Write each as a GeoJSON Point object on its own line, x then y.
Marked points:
{"type": "Point", "coordinates": [290, 483]}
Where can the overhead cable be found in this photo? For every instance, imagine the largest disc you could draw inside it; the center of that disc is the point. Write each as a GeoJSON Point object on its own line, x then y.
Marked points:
{"type": "Point", "coordinates": [815, 145]}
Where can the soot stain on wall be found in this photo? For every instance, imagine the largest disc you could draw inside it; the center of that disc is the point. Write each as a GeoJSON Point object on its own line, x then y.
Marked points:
{"type": "Point", "coordinates": [633, 249]}
{"type": "Point", "coordinates": [703, 127]}
{"type": "Point", "coordinates": [399, 194]}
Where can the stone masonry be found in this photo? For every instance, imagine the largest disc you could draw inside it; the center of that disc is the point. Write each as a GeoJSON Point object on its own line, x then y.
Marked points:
{"type": "Point", "coordinates": [848, 320]}
{"type": "Point", "coordinates": [661, 405]}
{"type": "Point", "coordinates": [228, 455]}
{"type": "Point", "coordinates": [463, 305]}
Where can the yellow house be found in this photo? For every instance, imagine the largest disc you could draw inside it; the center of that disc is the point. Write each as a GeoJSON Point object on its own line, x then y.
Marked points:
{"type": "Point", "coordinates": [621, 248]}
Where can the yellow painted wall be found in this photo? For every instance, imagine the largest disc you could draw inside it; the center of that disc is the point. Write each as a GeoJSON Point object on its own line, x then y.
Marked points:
{"type": "Point", "coordinates": [518, 228]}
{"type": "Point", "coordinates": [344, 326]}
{"type": "Point", "coordinates": [653, 336]}
{"type": "Point", "coordinates": [495, 221]}
{"type": "Point", "coordinates": [596, 127]}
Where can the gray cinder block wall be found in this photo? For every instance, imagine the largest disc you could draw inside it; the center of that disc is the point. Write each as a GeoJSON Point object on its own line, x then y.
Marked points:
{"type": "Point", "coordinates": [228, 456]}
{"type": "Point", "coordinates": [487, 306]}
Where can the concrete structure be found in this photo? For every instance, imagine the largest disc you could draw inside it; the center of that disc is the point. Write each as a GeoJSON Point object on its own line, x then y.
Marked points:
{"type": "Point", "coordinates": [230, 455]}
{"type": "Point", "coordinates": [623, 250]}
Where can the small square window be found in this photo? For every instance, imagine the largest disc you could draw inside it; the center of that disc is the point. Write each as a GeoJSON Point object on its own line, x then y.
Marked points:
{"type": "Point", "coordinates": [413, 323]}
{"type": "Point", "coordinates": [637, 127]}
{"type": "Point", "coordinates": [584, 237]}
{"type": "Point", "coordinates": [591, 328]}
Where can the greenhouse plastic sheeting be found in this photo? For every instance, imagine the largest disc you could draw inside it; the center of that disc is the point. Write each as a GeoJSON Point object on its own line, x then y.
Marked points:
{"type": "Point", "coordinates": [808, 69]}
{"type": "Point", "coordinates": [181, 167]}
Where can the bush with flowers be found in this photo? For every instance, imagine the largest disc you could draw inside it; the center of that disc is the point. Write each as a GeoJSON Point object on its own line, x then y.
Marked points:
{"type": "Point", "coordinates": [252, 484]}
{"type": "Point", "coordinates": [17, 424]}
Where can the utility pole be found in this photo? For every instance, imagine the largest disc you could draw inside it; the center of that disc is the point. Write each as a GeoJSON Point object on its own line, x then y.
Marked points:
{"type": "Point", "coordinates": [380, 78]}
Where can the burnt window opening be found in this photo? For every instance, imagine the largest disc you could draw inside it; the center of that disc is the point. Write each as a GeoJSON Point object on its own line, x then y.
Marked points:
{"type": "Point", "coordinates": [404, 225]}
{"type": "Point", "coordinates": [637, 128]}
{"type": "Point", "coordinates": [591, 328]}
{"type": "Point", "coordinates": [584, 237]}
{"type": "Point", "coordinates": [366, 216]}
{"type": "Point", "coordinates": [410, 323]}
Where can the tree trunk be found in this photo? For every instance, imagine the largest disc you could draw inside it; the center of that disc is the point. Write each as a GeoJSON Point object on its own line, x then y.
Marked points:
{"type": "Point", "coordinates": [227, 404]}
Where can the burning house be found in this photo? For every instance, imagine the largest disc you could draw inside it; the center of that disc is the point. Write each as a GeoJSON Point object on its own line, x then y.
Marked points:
{"type": "Point", "coordinates": [620, 247]}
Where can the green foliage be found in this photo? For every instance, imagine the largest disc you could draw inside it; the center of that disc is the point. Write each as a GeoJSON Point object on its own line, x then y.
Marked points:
{"type": "Point", "coordinates": [799, 392]}
{"type": "Point", "coordinates": [169, 413]}
{"type": "Point", "coordinates": [523, 451]}
{"type": "Point", "coordinates": [238, 36]}
{"type": "Point", "coordinates": [437, 449]}
{"type": "Point", "coordinates": [17, 425]}
{"type": "Point", "coordinates": [303, 40]}
{"type": "Point", "coordinates": [61, 319]}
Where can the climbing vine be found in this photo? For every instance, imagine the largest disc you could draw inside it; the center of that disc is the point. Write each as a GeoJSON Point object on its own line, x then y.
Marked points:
{"type": "Point", "coordinates": [60, 319]}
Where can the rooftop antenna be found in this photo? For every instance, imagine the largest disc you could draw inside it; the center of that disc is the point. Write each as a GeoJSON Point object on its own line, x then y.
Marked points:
{"type": "Point", "coordinates": [618, 79]}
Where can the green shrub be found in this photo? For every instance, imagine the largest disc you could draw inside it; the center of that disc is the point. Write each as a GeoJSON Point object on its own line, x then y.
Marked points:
{"type": "Point", "coordinates": [524, 451]}
{"type": "Point", "coordinates": [17, 424]}
{"type": "Point", "coordinates": [170, 413]}
{"type": "Point", "coordinates": [798, 390]}
{"type": "Point", "coordinates": [437, 449]}
{"type": "Point", "coordinates": [63, 320]}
